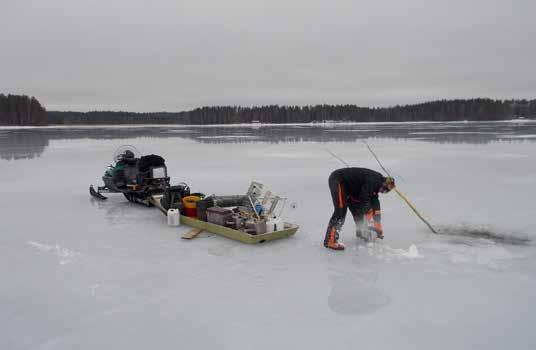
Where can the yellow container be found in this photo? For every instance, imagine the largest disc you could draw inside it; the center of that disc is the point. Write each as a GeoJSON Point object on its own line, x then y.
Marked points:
{"type": "Point", "coordinates": [190, 205]}
{"type": "Point", "coordinates": [191, 201]}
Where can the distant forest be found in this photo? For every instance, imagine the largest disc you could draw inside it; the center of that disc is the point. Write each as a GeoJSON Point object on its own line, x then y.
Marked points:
{"type": "Point", "coordinates": [447, 110]}
{"type": "Point", "coordinates": [22, 110]}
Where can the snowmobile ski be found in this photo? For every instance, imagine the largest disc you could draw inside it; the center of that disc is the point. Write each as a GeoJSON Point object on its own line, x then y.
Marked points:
{"type": "Point", "coordinates": [96, 194]}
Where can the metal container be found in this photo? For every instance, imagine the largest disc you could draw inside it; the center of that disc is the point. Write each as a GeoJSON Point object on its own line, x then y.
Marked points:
{"type": "Point", "coordinates": [239, 222]}
{"type": "Point", "coordinates": [260, 227]}
{"type": "Point", "coordinates": [220, 201]}
{"type": "Point", "coordinates": [202, 207]}
{"type": "Point", "coordinates": [219, 216]}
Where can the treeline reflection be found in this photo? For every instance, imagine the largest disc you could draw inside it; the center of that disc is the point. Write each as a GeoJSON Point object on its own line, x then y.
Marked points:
{"type": "Point", "coordinates": [30, 143]}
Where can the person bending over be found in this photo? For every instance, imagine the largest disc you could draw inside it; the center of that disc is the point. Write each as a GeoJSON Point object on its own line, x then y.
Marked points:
{"type": "Point", "coordinates": [356, 189]}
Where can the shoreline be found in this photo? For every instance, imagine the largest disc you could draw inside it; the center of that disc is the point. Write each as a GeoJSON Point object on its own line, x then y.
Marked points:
{"type": "Point", "coordinates": [254, 125]}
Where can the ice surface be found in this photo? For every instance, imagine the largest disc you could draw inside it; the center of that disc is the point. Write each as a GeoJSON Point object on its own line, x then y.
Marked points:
{"type": "Point", "coordinates": [78, 273]}
{"type": "Point", "coordinates": [65, 255]}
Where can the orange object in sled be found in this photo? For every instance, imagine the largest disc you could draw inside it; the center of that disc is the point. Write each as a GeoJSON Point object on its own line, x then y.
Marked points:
{"type": "Point", "coordinates": [190, 205]}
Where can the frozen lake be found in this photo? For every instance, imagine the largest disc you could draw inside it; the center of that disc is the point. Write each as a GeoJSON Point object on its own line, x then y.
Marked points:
{"type": "Point", "coordinates": [78, 273]}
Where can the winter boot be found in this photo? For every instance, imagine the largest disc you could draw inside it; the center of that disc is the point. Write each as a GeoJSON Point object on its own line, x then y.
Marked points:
{"type": "Point", "coordinates": [332, 238]}
{"type": "Point", "coordinates": [334, 245]}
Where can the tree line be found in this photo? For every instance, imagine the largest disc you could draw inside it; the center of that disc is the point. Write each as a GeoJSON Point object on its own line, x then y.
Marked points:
{"type": "Point", "coordinates": [444, 110]}
{"type": "Point", "coordinates": [21, 110]}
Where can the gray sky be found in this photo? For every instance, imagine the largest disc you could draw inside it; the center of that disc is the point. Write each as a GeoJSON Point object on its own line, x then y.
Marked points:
{"type": "Point", "coordinates": [173, 55]}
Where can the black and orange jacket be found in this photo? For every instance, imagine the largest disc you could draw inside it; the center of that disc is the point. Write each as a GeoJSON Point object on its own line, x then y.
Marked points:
{"type": "Point", "coordinates": [361, 186]}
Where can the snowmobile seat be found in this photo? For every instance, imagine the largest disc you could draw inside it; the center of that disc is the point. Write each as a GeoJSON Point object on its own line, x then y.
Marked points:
{"type": "Point", "coordinates": [150, 161]}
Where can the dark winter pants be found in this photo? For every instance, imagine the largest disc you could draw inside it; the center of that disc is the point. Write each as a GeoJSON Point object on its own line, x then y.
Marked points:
{"type": "Point", "coordinates": [341, 202]}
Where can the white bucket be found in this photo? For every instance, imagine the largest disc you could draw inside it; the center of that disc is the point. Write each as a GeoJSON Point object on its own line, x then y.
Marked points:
{"type": "Point", "coordinates": [173, 217]}
{"type": "Point", "coordinates": [278, 224]}
{"type": "Point", "coordinates": [269, 225]}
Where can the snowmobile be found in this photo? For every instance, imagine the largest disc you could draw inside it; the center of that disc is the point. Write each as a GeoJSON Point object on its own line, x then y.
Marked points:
{"type": "Point", "coordinates": [137, 177]}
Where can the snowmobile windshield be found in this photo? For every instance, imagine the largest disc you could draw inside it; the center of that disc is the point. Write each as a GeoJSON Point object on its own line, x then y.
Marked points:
{"type": "Point", "coordinates": [126, 152]}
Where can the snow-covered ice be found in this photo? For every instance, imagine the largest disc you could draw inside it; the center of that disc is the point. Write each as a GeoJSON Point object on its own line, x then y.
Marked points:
{"type": "Point", "coordinates": [78, 273]}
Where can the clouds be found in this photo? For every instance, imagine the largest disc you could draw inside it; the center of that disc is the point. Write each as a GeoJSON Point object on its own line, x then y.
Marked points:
{"type": "Point", "coordinates": [172, 55]}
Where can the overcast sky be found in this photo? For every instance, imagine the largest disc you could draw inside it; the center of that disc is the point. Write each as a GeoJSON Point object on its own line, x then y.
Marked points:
{"type": "Point", "coordinates": [174, 55]}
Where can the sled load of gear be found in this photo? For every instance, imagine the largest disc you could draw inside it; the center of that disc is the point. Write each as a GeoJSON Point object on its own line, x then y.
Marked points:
{"type": "Point", "coordinates": [253, 217]}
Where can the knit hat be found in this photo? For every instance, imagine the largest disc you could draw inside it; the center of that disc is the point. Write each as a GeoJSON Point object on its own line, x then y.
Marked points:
{"type": "Point", "coordinates": [389, 182]}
